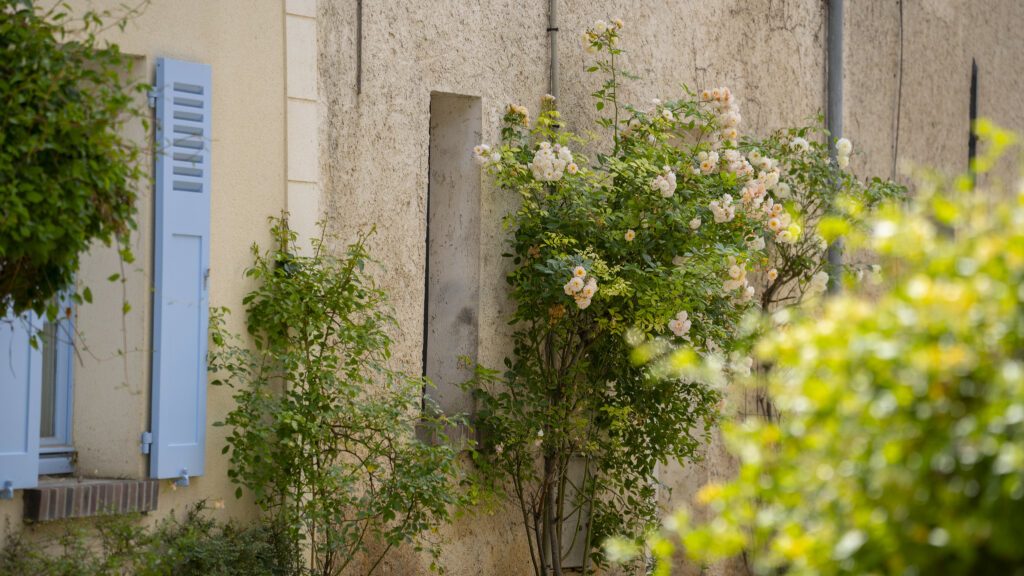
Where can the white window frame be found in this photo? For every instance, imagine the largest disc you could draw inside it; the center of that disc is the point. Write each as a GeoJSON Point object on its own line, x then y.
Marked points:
{"type": "Point", "coordinates": [57, 452]}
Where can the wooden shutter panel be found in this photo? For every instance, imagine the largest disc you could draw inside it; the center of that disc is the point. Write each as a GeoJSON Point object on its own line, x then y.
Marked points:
{"type": "Point", "coordinates": [182, 265]}
{"type": "Point", "coordinates": [20, 390]}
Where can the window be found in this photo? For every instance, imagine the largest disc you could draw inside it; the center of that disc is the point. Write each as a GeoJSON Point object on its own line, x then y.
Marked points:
{"type": "Point", "coordinates": [39, 373]}
{"type": "Point", "coordinates": [36, 381]}
{"type": "Point", "coordinates": [57, 342]}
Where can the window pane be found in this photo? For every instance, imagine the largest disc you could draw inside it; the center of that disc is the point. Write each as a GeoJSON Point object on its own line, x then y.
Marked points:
{"type": "Point", "coordinates": [48, 420]}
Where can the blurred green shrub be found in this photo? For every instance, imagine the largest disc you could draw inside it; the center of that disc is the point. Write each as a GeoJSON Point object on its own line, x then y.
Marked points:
{"type": "Point", "coordinates": [901, 444]}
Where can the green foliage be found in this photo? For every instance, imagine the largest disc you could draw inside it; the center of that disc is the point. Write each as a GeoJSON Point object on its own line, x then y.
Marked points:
{"type": "Point", "coordinates": [323, 430]}
{"type": "Point", "coordinates": [901, 449]}
{"type": "Point", "coordinates": [667, 238]}
{"type": "Point", "coordinates": [826, 201]}
{"type": "Point", "coordinates": [620, 229]}
{"type": "Point", "coordinates": [67, 173]}
{"type": "Point", "coordinates": [192, 546]}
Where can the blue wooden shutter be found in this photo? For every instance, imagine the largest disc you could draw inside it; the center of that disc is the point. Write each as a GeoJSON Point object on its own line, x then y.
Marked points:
{"type": "Point", "coordinates": [20, 389]}
{"type": "Point", "coordinates": [182, 265]}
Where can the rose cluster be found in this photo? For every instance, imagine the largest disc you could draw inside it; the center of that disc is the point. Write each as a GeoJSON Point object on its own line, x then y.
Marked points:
{"type": "Point", "coordinates": [708, 161]}
{"type": "Point", "coordinates": [817, 284]}
{"type": "Point", "coordinates": [738, 280]}
{"type": "Point", "coordinates": [581, 287]}
{"type": "Point", "coordinates": [843, 149]}
{"type": "Point", "coordinates": [517, 114]}
{"type": "Point", "coordinates": [780, 222]}
{"type": "Point", "coordinates": [550, 162]}
{"type": "Point", "coordinates": [482, 154]}
{"type": "Point", "coordinates": [723, 209]}
{"type": "Point", "coordinates": [727, 113]}
{"type": "Point", "coordinates": [665, 183]}
{"type": "Point", "coordinates": [602, 32]}
{"type": "Point", "coordinates": [736, 164]}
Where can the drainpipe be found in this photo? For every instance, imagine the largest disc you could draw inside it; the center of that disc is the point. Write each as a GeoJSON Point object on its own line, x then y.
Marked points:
{"type": "Point", "coordinates": [553, 43]}
{"type": "Point", "coordinates": [834, 123]}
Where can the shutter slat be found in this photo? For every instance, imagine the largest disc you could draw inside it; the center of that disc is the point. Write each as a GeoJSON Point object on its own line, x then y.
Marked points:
{"type": "Point", "coordinates": [20, 391]}
{"type": "Point", "coordinates": [182, 255]}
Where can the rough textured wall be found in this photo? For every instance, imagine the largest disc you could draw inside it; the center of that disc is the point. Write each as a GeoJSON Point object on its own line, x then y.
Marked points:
{"type": "Point", "coordinates": [913, 72]}
{"type": "Point", "coordinates": [374, 151]}
{"type": "Point", "coordinates": [374, 146]}
{"type": "Point", "coordinates": [770, 52]}
{"type": "Point", "coordinates": [374, 172]}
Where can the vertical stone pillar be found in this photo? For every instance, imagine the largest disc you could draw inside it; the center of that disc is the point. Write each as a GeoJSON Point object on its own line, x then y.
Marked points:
{"type": "Point", "coordinates": [303, 123]}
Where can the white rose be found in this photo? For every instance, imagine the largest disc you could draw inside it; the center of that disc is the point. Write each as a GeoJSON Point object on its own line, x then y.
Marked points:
{"type": "Point", "coordinates": [818, 283]}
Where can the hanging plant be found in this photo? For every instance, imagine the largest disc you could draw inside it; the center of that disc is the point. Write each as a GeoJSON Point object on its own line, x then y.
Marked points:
{"type": "Point", "coordinates": [67, 172]}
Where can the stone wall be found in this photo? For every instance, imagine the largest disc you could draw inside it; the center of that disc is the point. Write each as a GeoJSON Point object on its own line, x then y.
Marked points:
{"type": "Point", "coordinates": [771, 53]}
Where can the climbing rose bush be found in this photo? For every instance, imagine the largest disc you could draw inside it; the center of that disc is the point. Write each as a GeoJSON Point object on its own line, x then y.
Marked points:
{"type": "Point", "coordinates": [662, 228]}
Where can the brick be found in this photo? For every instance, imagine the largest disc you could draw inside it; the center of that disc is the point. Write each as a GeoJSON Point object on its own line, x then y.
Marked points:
{"type": "Point", "coordinates": [69, 498]}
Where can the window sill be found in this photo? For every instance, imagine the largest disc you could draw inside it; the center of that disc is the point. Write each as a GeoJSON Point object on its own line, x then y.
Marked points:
{"type": "Point", "coordinates": [64, 498]}
{"type": "Point", "coordinates": [56, 460]}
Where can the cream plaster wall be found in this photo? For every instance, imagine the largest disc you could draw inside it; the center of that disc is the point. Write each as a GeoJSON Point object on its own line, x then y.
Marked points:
{"type": "Point", "coordinates": [243, 41]}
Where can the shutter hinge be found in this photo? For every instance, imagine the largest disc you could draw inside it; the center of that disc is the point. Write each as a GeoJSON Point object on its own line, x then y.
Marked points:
{"type": "Point", "coordinates": [7, 492]}
{"type": "Point", "coordinates": [151, 98]}
{"type": "Point", "coordinates": [147, 442]}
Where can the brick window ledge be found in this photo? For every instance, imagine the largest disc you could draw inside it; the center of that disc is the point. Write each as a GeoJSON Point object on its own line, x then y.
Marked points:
{"type": "Point", "coordinates": [64, 498]}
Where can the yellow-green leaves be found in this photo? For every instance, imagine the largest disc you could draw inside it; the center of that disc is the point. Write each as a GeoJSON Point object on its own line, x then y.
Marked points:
{"type": "Point", "coordinates": [899, 446]}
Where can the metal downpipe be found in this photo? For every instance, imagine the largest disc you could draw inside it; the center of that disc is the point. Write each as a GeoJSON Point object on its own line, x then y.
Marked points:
{"type": "Point", "coordinates": [834, 123]}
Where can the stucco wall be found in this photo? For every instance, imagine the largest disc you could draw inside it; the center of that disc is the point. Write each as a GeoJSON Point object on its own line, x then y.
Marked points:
{"type": "Point", "coordinates": [929, 103]}
{"type": "Point", "coordinates": [111, 406]}
{"type": "Point", "coordinates": [770, 52]}
{"type": "Point", "coordinates": [374, 161]}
